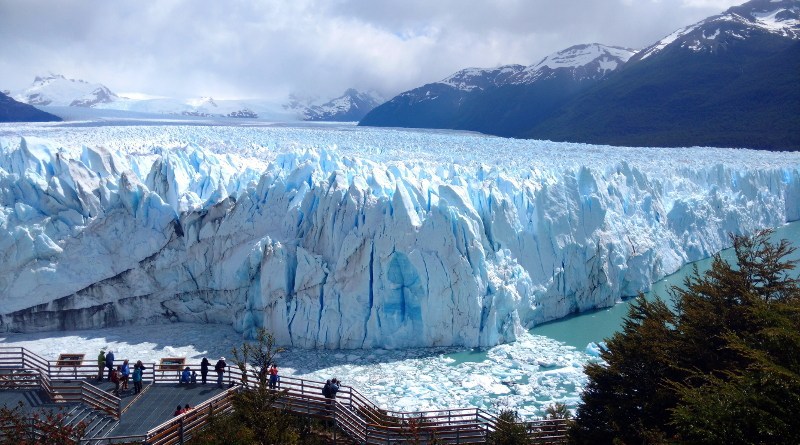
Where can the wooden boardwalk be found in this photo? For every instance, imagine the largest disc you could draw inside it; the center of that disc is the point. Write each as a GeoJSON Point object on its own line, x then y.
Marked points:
{"type": "Point", "coordinates": [148, 417]}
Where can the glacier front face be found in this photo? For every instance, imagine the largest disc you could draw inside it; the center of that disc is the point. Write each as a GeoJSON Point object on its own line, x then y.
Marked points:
{"type": "Point", "coordinates": [346, 237]}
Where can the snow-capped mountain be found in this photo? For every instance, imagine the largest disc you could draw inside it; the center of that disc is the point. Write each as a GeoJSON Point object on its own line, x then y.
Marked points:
{"type": "Point", "coordinates": [201, 107]}
{"type": "Point", "coordinates": [349, 107]}
{"type": "Point", "coordinates": [13, 111]}
{"type": "Point", "coordinates": [356, 239]}
{"type": "Point", "coordinates": [57, 90]}
{"type": "Point", "coordinates": [474, 98]}
{"type": "Point", "coordinates": [472, 79]}
{"type": "Point", "coordinates": [777, 17]}
{"type": "Point", "coordinates": [729, 80]}
{"type": "Point", "coordinates": [581, 62]}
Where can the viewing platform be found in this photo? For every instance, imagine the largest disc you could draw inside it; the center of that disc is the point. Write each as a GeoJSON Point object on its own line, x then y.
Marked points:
{"type": "Point", "coordinates": [148, 417]}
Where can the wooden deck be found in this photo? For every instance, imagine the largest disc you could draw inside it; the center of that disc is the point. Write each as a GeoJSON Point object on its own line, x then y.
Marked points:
{"type": "Point", "coordinates": [148, 417]}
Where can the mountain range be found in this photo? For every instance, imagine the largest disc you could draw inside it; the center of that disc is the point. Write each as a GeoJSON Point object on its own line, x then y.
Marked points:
{"type": "Point", "coordinates": [731, 80]}
{"type": "Point", "coordinates": [55, 90]}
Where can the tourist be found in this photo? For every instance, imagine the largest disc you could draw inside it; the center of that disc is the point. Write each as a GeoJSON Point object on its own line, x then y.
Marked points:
{"type": "Point", "coordinates": [110, 362]}
{"type": "Point", "coordinates": [326, 391]}
{"type": "Point", "coordinates": [101, 364]}
{"type": "Point", "coordinates": [126, 373]}
{"type": "Point", "coordinates": [178, 411]}
{"type": "Point", "coordinates": [220, 369]}
{"type": "Point", "coordinates": [273, 376]}
{"type": "Point", "coordinates": [194, 376]}
{"type": "Point", "coordinates": [204, 369]}
{"type": "Point", "coordinates": [186, 375]}
{"type": "Point", "coordinates": [334, 387]}
{"type": "Point", "coordinates": [114, 377]}
{"type": "Point", "coordinates": [138, 370]}
{"type": "Point", "coordinates": [187, 408]}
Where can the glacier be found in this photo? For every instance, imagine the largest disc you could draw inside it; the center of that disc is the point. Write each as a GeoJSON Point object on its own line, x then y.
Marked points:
{"type": "Point", "coordinates": [341, 237]}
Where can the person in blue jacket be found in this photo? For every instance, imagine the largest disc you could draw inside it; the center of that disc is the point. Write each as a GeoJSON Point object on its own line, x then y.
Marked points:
{"type": "Point", "coordinates": [186, 375]}
{"type": "Point", "coordinates": [126, 374]}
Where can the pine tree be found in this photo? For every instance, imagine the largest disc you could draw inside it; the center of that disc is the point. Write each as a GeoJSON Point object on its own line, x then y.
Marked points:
{"type": "Point", "coordinates": [722, 368]}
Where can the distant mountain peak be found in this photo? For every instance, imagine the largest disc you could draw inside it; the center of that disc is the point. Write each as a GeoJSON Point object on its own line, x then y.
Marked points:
{"type": "Point", "coordinates": [350, 106]}
{"type": "Point", "coordinates": [469, 79]}
{"type": "Point", "coordinates": [779, 17]}
{"type": "Point", "coordinates": [56, 89]}
{"type": "Point", "coordinates": [591, 60]}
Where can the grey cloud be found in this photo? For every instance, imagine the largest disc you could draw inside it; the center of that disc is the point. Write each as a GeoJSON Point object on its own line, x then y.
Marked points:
{"type": "Point", "coordinates": [316, 47]}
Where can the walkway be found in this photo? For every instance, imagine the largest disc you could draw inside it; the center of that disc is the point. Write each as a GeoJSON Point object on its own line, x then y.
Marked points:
{"type": "Point", "coordinates": [157, 405]}
{"type": "Point", "coordinates": [149, 415]}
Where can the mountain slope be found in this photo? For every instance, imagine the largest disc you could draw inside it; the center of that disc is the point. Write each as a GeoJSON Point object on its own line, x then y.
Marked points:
{"type": "Point", "coordinates": [504, 100]}
{"type": "Point", "coordinates": [726, 81]}
{"type": "Point", "coordinates": [57, 90]}
{"type": "Point", "coordinates": [352, 106]}
{"type": "Point", "coordinates": [436, 105]}
{"type": "Point", "coordinates": [13, 111]}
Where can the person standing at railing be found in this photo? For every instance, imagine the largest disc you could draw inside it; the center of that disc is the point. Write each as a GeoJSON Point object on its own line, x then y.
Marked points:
{"type": "Point", "coordinates": [110, 363]}
{"type": "Point", "coordinates": [138, 370]}
{"type": "Point", "coordinates": [115, 378]}
{"type": "Point", "coordinates": [186, 376]}
{"type": "Point", "coordinates": [126, 373]}
{"type": "Point", "coordinates": [101, 364]}
{"type": "Point", "coordinates": [220, 369]}
{"type": "Point", "coordinates": [273, 376]}
{"type": "Point", "coordinates": [204, 369]}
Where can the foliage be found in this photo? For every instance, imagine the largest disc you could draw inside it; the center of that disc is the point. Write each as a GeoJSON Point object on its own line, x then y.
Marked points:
{"type": "Point", "coordinates": [721, 367]}
{"type": "Point", "coordinates": [49, 427]}
{"type": "Point", "coordinates": [256, 418]}
{"type": "Point", "coordinates": [557, 410]}
{"type": "Point", "coordinates": [509, 431]}
{"type": "Point", "coordinates": [420, 430]}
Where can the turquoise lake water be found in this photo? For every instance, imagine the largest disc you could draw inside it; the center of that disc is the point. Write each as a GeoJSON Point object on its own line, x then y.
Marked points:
{"type": "Point", "coordinates": [580, 330]}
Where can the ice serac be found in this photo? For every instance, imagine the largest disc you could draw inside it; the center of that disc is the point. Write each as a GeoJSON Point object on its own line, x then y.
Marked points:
{"type": "Point", "coordinates": [329, 249]}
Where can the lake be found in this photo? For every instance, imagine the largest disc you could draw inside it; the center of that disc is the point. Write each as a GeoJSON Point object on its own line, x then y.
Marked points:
{"type": "Point", "coordinates": [579, 330]}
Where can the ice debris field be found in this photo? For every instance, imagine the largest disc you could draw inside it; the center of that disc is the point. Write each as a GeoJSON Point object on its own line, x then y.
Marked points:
{"type": "Point", "coordinates": [527, 375]}
{"type": "Point", "coordinates": [340, 238]}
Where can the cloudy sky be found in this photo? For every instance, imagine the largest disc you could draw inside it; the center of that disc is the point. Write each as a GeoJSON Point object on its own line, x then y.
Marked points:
{"type": "Point", "coordinates": [270, 48]}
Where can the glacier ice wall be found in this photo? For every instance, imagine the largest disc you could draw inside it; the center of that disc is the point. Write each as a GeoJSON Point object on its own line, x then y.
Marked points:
{"type": "Point", "coordinates": [341, 245]}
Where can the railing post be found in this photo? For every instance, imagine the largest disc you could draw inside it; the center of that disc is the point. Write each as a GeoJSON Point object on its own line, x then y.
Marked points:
{"type": "Point", "coordinates": [180, 431]}
{"type": "Point", "coordinates": [33, 431]}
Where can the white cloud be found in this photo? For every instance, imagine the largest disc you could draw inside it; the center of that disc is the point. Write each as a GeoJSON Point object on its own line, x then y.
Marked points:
{"type": "Point", "coordinates": [269, 48]}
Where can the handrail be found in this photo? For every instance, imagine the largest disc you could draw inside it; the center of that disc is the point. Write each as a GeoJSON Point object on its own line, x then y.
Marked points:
{"type": "Point", "coordinates": [210, 402]}
{"type": "Point", "coordinates": [351, 410]}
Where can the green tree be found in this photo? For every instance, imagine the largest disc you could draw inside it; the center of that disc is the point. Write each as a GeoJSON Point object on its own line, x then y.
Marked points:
{"type": "Point", "coordinates": [257, 417]}
{"type": "Point", "coordinates": [722, 367]}
{"type": "Point", "coordinates": [509, 430]}
{"type": "Point", "coordinates": [557, 410]}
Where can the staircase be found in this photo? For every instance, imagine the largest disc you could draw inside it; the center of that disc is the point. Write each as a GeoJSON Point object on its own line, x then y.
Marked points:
{"type": "Point", "coordinates": [98, 424]}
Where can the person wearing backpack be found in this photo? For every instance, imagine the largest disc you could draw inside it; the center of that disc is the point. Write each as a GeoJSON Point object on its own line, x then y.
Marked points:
{"type": "Point", "coordinates": [327, 392]}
